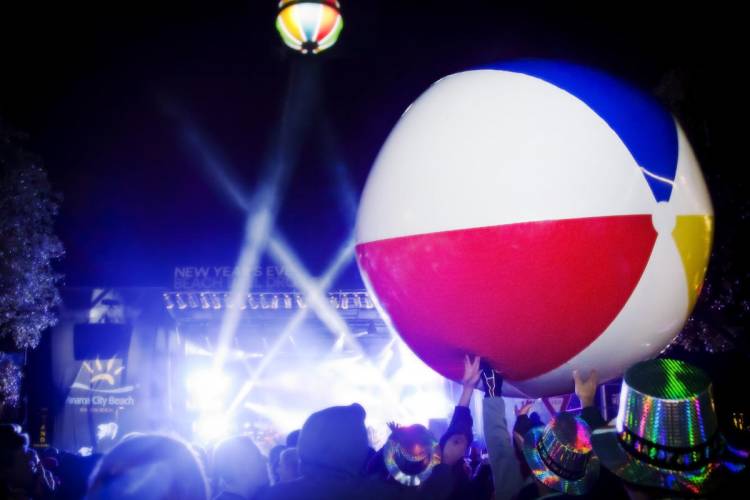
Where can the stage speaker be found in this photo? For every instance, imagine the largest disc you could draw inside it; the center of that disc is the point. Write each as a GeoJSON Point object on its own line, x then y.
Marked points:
{"type": "Point", "coordinates": [102, 340]}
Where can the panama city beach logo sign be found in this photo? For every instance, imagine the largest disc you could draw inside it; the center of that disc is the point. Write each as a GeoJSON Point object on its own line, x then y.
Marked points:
{"type": "Point", "coordinates": [98, 387]}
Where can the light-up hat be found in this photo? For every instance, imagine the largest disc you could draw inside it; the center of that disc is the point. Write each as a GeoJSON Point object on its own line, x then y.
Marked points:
{"type": "Point", "coordinates": [666, 433]}
{"type": "Point", "coordinates": [560, 455]}
{"type": "Point", "coordinates": [410, 454]}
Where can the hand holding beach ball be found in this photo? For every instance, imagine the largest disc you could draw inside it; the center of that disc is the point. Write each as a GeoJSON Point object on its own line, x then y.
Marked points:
{"type": "Point", "coordinates": [544, 216]}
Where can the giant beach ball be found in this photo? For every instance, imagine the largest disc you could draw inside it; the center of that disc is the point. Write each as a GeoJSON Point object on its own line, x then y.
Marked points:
{"type": "Point", "coordinates": [543, 215]}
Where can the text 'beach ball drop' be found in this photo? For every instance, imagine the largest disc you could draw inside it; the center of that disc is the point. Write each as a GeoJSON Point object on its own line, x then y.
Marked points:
{"type": "Point", "coordinates": [309, 26]}
{"type": "Point", "coordinates": [542, 215]}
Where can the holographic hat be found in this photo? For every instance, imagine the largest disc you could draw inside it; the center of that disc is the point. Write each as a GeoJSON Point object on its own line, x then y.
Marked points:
{"type": "Point", "coordinates": [410, 454]}
{"type": "Point", "coordinates": [666, 433]}
{"type": "Point", "coordinates": [560, 455]}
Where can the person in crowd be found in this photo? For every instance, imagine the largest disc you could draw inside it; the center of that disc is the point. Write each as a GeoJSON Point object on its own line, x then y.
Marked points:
{"type": "Point", "coordinates": [457, 439]}
{"type": "Point", "coordinates": [608, 485]}
{"type": "Point", "coordinates": [525, 421]}
{"type": "Point", "coordinates": [22, 475]}
{"type": "Point", "coordinates": [333, 448]}
{"type": "Point", "coordinates": [375, 466]}
{"type": "Point", "coordinates": [149, 467]}
{"type": "Point", "coordinates": [73, 473]}
{"type": "Point", "coordinates": [274, 457]}
{"type": "Point", "coordinates": [475, 456]}
{"type": "Point", "coordinates": [410, 455]}
{"type": "Point", "coordinates": [510, 470]}
{"type": "Point", "coordinates": [50, 457]}
{"type": "Point", "coordinates": [289, 465]}
{"type": "Point", "coordinates": [585, 390]}
{"type": "Point", "coordinates": [666, 442]}
{"type": "Point", "coordinates": [292, 438]}
{"type": "Point", "coordinates": [560, 458]}
{"type": "Point", "coordinates": [239, 469]}
{"type": "Point", "coordinates": [566, 474]}
{"type": "Point", "coordinates": [506, 472]}
{"type": "Point", "coordinates": [201, 452]}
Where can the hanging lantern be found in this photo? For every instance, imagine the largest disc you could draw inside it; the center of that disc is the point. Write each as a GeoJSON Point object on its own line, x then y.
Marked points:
{"type": "Point", "coordinates": [309, 26]}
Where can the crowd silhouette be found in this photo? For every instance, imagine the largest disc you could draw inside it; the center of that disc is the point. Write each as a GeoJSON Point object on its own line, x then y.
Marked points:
{"type": "Point", "coordinates": [664, 443]}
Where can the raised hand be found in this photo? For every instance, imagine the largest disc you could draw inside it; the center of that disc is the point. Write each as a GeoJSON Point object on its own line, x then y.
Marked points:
{"type": "Point", "coordinates": [469, 380]}
{"type": "Point", "coordinates": [471, 372]}
{"type": "Point", "coordinates": [586, 387]}
{"type": "Point", "coordinates": [524, 408]}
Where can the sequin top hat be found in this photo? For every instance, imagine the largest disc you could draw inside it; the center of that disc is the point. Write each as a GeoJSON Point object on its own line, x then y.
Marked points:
{"type": "Point", "coordinates": [410, 454]}
{"type": "Point", "coordinates": [560, 455]}
{"type": "Point", "coordinates": [666, 434]}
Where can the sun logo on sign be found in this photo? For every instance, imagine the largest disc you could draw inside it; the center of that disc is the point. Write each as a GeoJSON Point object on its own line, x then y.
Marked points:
{"type": "Point", "coordinates": [102, 376]}
{"type": "Point", "coordinates": [100, 372]}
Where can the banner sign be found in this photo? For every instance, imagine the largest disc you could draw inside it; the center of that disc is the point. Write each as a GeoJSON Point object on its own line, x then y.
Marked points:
{"type": "Point", "coordinates": [97, 400]}
{"type": "Point", "coordinates": [191, 278]}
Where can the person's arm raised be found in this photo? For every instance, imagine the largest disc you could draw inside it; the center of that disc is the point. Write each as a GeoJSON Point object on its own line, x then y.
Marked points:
{"type": "Point", "coordinates": [506, 471]}
{"type": "Point", "coordinates": [469, 380]}
{"type": "Point", "coordinates": [585, 389]}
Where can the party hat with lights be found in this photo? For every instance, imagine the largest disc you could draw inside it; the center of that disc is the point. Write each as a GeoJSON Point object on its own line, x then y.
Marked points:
{"type": "Point", "coordinates": [666, 435]}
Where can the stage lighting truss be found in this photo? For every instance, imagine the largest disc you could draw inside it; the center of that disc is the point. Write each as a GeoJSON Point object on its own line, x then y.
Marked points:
{"type": "Point", "coordinates": [341, 300]}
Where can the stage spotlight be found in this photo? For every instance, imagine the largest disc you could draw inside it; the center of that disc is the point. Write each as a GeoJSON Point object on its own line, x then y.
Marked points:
{"type": "Point", "coordinates": [204, 301]}
{"type": "Point", "coordinates": [212, 427]}
{"type": "Point", "coordinates": [168, 301]}
{"type": "Point", "coordinates": [334, 301]}
{"type": "Point", "coordinates": [206, 389]}
{"type": "Point", "coordinates": [180, 301]}
{"type": "Point", "coordinates": [300, 301]}
{"type": "Point", "coordinates": [215, 301]}
{"type": "Point", "coordinates": [253, 301]}
{"type": "Point", "coordinates": [191, 300]}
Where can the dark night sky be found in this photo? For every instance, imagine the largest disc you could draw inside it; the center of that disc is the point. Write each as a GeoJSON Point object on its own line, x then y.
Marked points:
{"type": "Point", "coordinates": [91, 84]}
